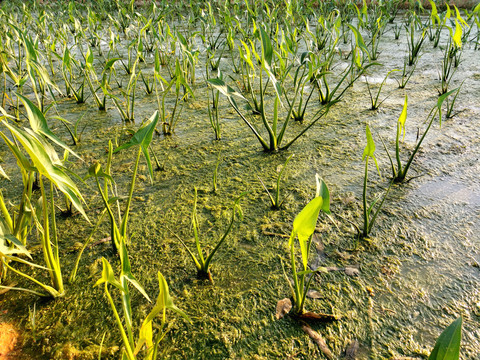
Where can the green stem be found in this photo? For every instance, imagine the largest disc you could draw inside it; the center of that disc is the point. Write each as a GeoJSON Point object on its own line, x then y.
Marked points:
{"type": "Point", "coordinates": [128, 348]}
{"type": "Point", "coordinates": [123, 227]}
{"type": "Point", "coordinates": [47, 288]}
{"type": "Point", "coordinates": [54, 224]}
{"type": "Point", "coordinates": [127, 308]}
{"type": "Point", "coordinates": [209, 258]}
{"type": "Point", "coordinates": [52, 263]}
{"type": "Point", "coordinates": [195, 232]}
{"type": "Point", "coordinates": [402, 174]}
{"type": "Point", "coordinates": [271, 134]}
{"type": "Point", "coordinates": [114, 233]}
{"type": "Point", "coordinates": [298, 305]}
{"type": "Point", "coordinates": [87, 242]}
{"type": "Point", "coordinates": [397, 150]}
{"type": "Point", "coordinates": [365, 208]}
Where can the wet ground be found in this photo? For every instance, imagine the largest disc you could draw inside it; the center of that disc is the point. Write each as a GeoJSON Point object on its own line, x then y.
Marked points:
{"type": "Point", "coordinates": [418, 271]}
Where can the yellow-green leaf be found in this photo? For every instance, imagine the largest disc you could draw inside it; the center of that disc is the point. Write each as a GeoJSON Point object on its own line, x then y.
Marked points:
{"type": "Point", "coordinates": [459, 18]}
{"type": "Point", "coordinates": [322, 191]}
{"type": "Point", "coordinates": [304, 225]}
{"type": "Point", "coordinates": [108, 276]}
{"type": "Point", "coordinates": [305, 222]}
{"type": "Point", "coordinates": [403, 116]}
{"type": "Point", "coordinates": [434, 15]}
{"type": "Point", "coordinates": [448, 14]}
{"type": "Point", "coordinates": [370, 148]}
{"type": "Point", "coordinates": [457, 37]}
{"type": "Point", "coordinates": [39, 124]}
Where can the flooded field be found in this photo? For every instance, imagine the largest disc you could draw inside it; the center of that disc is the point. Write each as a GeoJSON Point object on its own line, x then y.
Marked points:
{"type": "Point", "coordinates": [386, 292]}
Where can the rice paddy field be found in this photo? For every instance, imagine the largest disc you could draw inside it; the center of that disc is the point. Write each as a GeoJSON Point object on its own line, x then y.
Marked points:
{"type": "Point", "coordinates": [239, 180]}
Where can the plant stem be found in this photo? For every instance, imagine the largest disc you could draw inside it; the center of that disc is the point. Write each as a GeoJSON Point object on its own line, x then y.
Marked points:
{"type": "Point", "coordinates": [365, 206]}
{"type": "Point", "coordinates": [128, 348]}
{"type": "Point", "coordinates": [123, 227]}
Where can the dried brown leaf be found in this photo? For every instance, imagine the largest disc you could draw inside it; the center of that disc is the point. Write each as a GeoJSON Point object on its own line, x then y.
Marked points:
{"type": "Point", "coordinates": [333, 268]}
{"type": "Point", "coordinates": [318, 339]}
{"type": "Point", "coordinates": [315, 317]}
{"type": "Point", "coordinates": [283, 307]}
{"type": "Point", "coordinates": [352, 271]}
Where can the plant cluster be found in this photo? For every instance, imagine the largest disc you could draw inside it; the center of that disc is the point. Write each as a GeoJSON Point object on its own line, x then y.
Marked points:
{"type": "Point", "coordinates": [286, 73]}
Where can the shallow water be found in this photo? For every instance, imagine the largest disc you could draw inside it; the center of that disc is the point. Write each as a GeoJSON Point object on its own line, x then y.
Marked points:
{"type": "Point", "coordinates": [418, 272]}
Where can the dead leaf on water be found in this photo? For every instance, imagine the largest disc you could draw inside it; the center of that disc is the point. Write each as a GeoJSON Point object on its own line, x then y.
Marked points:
{"type": "Point", "coordinates": [352, 271]}
{"type": "Point", "coordinates": [317, 317]}
{"type": "Point", "coordinates": [333, 268]}
{"type": "Point", "coordinates": [283, 307]}
{"type": "Point", "coordinates": [8, 341]}
{"type": "Point", "coordinates": [318, 339]}
{"type": "Point", "coordinates": [351, 351]}
{"type": "Point", "coordinates": [314, 294]}
{"type": "Point", "coordinates": [318, 243]}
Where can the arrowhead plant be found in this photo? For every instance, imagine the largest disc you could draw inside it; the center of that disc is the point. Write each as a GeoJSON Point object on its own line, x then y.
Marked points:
{"type": "Point", "coordinates": [303, 228]}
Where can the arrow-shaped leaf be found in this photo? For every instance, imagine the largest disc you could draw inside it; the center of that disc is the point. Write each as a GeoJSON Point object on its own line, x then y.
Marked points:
{"type": "Point", "coordinates": [39, 125]}
{"type": "Point", "coordinates": [143, 137]}
{"type": "Point", "coordinates": [370, 148]}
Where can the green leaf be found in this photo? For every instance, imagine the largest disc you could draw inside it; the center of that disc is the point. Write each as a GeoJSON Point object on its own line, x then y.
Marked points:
{"type": "Point", "coordinates": [477, 9]}
{"type": "Point", "coordinates": [447, 346]}
{"type": "Point", "coordinates": [126, 272]}
{"type": "Point", "coordinates": [22, 161]}
{"type": "Point", "coordinates": [66, 58]}
{"type": "Point", "coordinates": [267, 49]}
{"type": "Point", "coordinates": [143, 137]}
{"type": "Point", "coordinates": [305, 222]}
{"type": "Point", "coordinates": [89, 59]}
{"type": "Point", "coordinates": [322, 191]}
{"type": "Point", "coordinates": [110, 63]}
{"type": "Point", "coordinates": [226, 90]}
{"type": "Point", "coordinates": [157, 62]}
{"type": "Point", "coordinates": [95, 170]}
{"type": "Point", "coordinates": [359, 40]}
{"type": "Point", "coordinates": [440, 101]}
{"type": "Point", "coordinates": [31, 52]}
{"type": "Point", "coordinates": [247, 57]}
{"type": "Point", "coordinates": [267, 58]}
{"type": "Point", "coordinates": [18, 249]}
{"type": "Point", "coordinates": [39, 124]}
{"type": "Point", "coordinates": [164, 302]}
